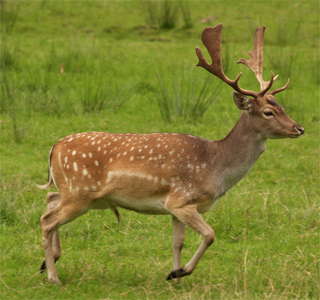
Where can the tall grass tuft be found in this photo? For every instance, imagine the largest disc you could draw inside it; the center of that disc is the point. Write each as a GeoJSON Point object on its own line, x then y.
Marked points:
{"type": "Point", "coordinates": [151, 13]}
{"type": "Point", "coordinates": [168, 14]}
{"type": "Point", "coordinates": [7, 57]}
{"type": "Point", "coordinates": [186, 14]}
{"type": "Point", "coordinates": [8, 17]}
{"type": "Point", "coordinates": [186, 95]}
{"type": "Point", "coordinates": [9, 106]}
{"type": "Point", "coordinates": [9, 12]}
{"type": "Point", "coordinates": [162, 14]}
{"type": "Point", "coordinates": [96, 96]}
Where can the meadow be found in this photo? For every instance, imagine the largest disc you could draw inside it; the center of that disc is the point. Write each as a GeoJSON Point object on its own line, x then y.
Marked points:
{"type": "Point", "coordinates": [129, 66]}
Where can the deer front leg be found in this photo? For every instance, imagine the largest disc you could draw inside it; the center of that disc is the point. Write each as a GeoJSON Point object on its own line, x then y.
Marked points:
{"type": "Point", "coordinates": [177, 245]}
{"type": "Point", "coordinates": [189, 215]}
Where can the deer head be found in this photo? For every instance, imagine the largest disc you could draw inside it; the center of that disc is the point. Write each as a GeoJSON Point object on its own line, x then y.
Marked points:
{"type": "Point", "coordinates": [268, 118]}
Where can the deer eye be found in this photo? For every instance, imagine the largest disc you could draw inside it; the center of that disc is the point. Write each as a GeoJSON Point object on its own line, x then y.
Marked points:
{"type": "Point", "coordinates": [268, 114]}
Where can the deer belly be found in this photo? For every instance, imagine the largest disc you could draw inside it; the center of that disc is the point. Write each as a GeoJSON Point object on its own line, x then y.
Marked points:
{"type": "Point", "coordinates": [148, 205]}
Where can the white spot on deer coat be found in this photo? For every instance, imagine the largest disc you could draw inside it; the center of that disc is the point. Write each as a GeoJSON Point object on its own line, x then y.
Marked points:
{"type": "Point", "coordinates": [163, 181]}
{"type": "Point", "coordinates": [75, 166]}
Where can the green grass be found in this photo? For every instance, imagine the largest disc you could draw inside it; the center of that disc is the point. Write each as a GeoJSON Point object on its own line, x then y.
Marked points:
{"type": "Point", "coordinates": [185, 94]}
{"type": "Point", "coordinates": [71, 66]}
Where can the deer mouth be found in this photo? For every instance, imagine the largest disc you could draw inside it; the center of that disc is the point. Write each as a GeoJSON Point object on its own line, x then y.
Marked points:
{"type": "Point", "coordinates": [298, 131]}
{"type": "Point", "coordinates": [295, 134]}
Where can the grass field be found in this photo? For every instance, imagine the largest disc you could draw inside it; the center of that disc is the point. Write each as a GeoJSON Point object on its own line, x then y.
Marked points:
{"type": "Point", "coordinates": [72, 66]}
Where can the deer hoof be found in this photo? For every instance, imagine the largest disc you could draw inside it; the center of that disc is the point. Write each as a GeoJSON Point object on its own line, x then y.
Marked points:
{"type": "Point", "coordinates": [43, 267]}
{"type": "Point", "coordinates": [55, 280]}
{"type": "Point", "coordinates": [177, 274]}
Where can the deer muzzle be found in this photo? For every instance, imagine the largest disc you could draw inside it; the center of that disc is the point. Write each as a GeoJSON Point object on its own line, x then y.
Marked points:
{"type": "Point", "coordinates": [299, 130]}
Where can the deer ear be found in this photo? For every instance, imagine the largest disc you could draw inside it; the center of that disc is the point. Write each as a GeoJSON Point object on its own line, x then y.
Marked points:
{"type": "Point", "coordinates": [242, 102]}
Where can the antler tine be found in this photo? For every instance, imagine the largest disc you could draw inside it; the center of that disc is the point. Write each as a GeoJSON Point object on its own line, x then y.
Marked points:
{"type": "Point", "coordinates": [276, 91]}
{"type": "Point", "coordinates": [211, 38]}
{"type": "Point", "coordinates": [268, 85]}
{"type": "Point", "coordinates": [255, 62]}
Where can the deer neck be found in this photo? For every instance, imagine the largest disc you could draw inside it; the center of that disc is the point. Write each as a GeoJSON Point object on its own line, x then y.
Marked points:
{"type": "Point", "coordinates": [234, 155]}
{"type": "Point", "coordinates": [243, 143]}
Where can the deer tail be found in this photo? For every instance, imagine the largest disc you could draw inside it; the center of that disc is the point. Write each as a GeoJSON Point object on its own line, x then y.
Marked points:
{"type": "Point", "coordinates": [50, 178]}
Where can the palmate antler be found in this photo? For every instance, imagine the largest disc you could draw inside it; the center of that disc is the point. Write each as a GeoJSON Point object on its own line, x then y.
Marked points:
{"type": "Point", "coordinates": [255, 62]}
{"type": "Point", "coordinates": [211, 38]}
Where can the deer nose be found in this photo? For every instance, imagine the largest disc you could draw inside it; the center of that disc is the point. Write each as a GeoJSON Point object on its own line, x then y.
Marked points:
{"type": "Point", "coordinates": [299, 129]}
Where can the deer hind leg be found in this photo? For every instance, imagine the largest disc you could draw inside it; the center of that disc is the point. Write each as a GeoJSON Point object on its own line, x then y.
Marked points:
{"type": "Point", "coordinates": [188, 214]}
{"type": "Point", "coordinates": [177, 245]}
{"type": "Point", "coordinates": [52, 202]}
{"type": "Point", "coordinates": [60, 214]}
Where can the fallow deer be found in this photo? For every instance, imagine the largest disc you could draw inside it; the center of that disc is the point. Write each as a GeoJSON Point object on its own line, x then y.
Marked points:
{"type": "Point", "coordinates": [164, 173]}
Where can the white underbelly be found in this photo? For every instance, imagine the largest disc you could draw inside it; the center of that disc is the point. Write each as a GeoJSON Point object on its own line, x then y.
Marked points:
{"type": "Point", "coordinates": [150, 205]}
